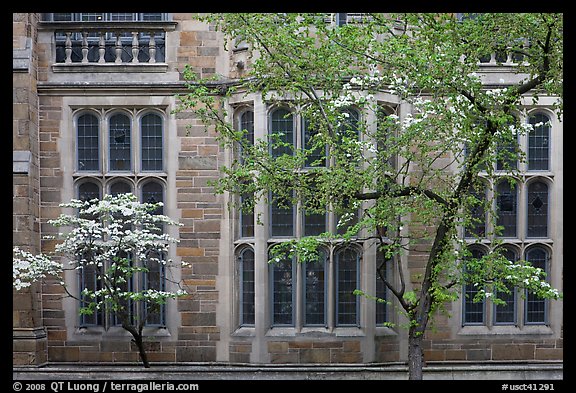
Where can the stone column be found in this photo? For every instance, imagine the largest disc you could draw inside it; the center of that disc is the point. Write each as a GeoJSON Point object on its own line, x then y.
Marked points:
{"type": "Point", "coordinates": [28, 334]}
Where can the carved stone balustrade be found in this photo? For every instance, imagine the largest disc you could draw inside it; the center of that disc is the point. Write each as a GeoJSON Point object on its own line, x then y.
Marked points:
{"type": "Point", "coordinates": [109, 45]}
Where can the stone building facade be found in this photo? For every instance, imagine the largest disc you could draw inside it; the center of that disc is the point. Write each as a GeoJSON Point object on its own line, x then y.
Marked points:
{"type": "Point", "coordinates": [79, 78]}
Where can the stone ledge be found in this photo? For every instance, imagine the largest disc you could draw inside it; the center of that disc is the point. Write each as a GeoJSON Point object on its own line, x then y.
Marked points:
{"type": "Point", "coordinates": [220, 371]}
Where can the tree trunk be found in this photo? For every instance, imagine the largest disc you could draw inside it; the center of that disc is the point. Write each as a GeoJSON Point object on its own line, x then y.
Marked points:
{"type": "Point", "coordinates": [415, 354]}
{"type": "Point", "coordinates": [140, 344]}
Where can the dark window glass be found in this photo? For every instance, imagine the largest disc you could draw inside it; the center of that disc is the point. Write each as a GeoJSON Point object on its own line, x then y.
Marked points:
{"type": "Point", "coordinates": [314, 223]}
{"type": "Point", "coordinates": [151, 142]}
{"type": "Point", "coordinates": [282, 132]}
{"type": "Point", "coordinates": [153, 192]}
{"type": "Point", "coordinates": [381, 289]}
{"type": "Point", "coordinates": [507, 208]}
{"type": "Point", "coordinates": [89, 280]}
{"type": "Point", "coordinates": [347, 261]}
{"type": "Point", "coordinates": [505, 314]}
{"type": "Point", "coordinates": [125, 310]}
{"type": "Point", "coordinates": [478, 215]}
{"type": "Point", "coordinates": [473, 311]}
{"type": "Point", "coordinates": [88, 146]}
{"type": "Point", "coordinates": [539, 143]}
{"type": "Point", "coordinates": [536, 307]}
{"type": "Point", "coordinates": [246, 125]}
{"type": "Point", "coordinates": [155, 314]}
{"type": "Point", "coordinates": [316, 156]}
{"type": "Point", "coordinates": [120, 143]}
{"type": "Point", "coordinates": [246, 217]}
{"type": "Point", "coordinates": [282, 218]}
{"type": "Point", "coordinates": [120, 187]}
{"type": "Point", "coordinates": [88, 191]}
{"type": "Point", "coordinates": [537, 209]}
{"type": "Point", "coordinates": [283, 292]}
{"type": "Point", "coordinates": [506, 153]}
{"type": "Point", "coordinates": [315, 284]}
{"type": "Point", "coordinates": [247, 279]}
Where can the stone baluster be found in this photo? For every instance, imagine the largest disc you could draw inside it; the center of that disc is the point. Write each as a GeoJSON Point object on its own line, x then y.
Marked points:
{"type": "Point", "coordinates": [135, 47]}
{"type": "Point", "coordinates": [493, 58]}
{"type": "Point", "coordinates": [101, 48]}
{"type": "Point", "coordinates": [152, 48]}
{"type": "Point", "coordinates": [84, 47]}
{"type": "Point", "coordinates": [118, 48]}
{"type": "Point", "coordinates": [68, 48]}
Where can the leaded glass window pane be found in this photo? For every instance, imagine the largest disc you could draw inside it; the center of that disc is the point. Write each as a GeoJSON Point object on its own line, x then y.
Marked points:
{"type": "Point", "coordinates": [247, 126]}
{"type": "Point", "coordinates": [89, 280]}
{"type": "Point", "coordinates": [88, 191]}
{"type": "Point", "coordinates": [247, 279]}
{"type": "Point", "coordinates": [316, 155]}
{"type": "Point", "coordinates": [539, 143]}
{"type": "Point", "coordinates": [151, 142]}
{"type": "Point", "coordinates": [154, 279]}
{"type": "Point", "coordinates": [283, 290]}
{"type": "Point", "coordinates": [282, 132]}
{"type": "Point", "coordinates": [473, 311]}
{"type": "Point", "coordinates": [507, 201]}
{"type": "Point", "coordinates": [282, 217]}
{"type": "Point", "coordinates": [315, 284]}
{"type": "Point", "coordinates": [153, 192]}
{"type": "Point", "coordinates": [88, 143]}
{"type": "Point", "coordinates": [125, 305]}
{"type": "Point", "coordinates": [120, 143]}
{"type": "Point", "coordinates": [314, 223]}
{"type": "Point", "coordinates": [347, 261]}
{"type": "Point", "coordinates": [536, 307]}
{"type": "Point", "coordinates": [120, 187]}
{"type": "Point", "coordinates": [246, 217]}
{"type": "Point", "coordinates": [477, 215]}
{"type": "Point", "coordinates": [381, 289]}
{"type": "Point", "coordinates": [506, 153]}
{"type": "Point", "coordinates": [506, 314]}
{"type": "Point", "coordinates": [537, 209]}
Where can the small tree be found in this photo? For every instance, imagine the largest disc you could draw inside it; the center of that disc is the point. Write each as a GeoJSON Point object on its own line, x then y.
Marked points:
{"type": "Point", "coordinates": [415, 168]}
{"type": "Point", "coordinates": [113, 239]}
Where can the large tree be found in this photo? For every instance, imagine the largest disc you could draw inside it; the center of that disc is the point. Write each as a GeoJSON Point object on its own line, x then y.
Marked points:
{"type": "Point", "coordinates": [414, 172]}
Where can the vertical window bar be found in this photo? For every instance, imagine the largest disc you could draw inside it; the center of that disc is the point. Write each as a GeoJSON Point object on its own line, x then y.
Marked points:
{"type": "Point", "coordinates": [88, 148]}
{"type": "Point", "coordinates": [315, 291]}
{"type": "Point", "coordinates": [155, 314]}
{"type": "Point", "coordinates": [505, 314]}
{"type": "Point", "coordinates": [507, 208]}
{"type": "Point", "coordinates": [120, 143]}
{"type": "Point", "coordinates": [381, 289]}
{"type": "Point", "coordinates": [151, 155]}
{"type": "Point", "coordinates": [537, 209]}
{"type": "Point", "coordinates": [347, 271]}
{"type": "Point", "coordinates": [247, 293]}
{"type": "Point", "coordinates": [535, 307]}
{"type": "Point", "coordinates": [282, 132]}
{"type": "Point", "coordinates": [283, 292]}
{"type": "Point", "coordinates": [538, 143]}
{"type": "Point", "coordinates": [281, 217]}
{"type": "Point", "coordinates": [474, 312]}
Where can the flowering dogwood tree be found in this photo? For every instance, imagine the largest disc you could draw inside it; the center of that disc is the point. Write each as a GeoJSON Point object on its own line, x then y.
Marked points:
{"type": "Point", "coordinates": [113, 240]}
{"type": "Point", "coordinates": [410, 169]}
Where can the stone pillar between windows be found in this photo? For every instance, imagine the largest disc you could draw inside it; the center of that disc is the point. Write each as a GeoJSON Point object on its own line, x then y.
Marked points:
{"type": "Point", "coordinates": [259, 352]}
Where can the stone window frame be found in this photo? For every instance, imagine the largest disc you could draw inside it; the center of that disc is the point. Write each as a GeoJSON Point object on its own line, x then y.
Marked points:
{"type": "Point", "coordinates": [135, 178]}
{"type": "Point", "coordinates": [237, 110]}
{"type": "Point", "coordinates": [520, 302]}
{"type": "Point", "coordinates": [107, 321]}
{"type": "Point", "coordinates": [135, 114]}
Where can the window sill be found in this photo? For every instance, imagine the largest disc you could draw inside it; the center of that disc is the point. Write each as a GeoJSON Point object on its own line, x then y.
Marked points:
{"type": "Point", "coordinates": [244, 331]}
{"type": "Point", "coordinates": [315, 332]}
{"type": "Point", "coordinates": [505, 330]}
{"type": "Point", "coordinates": [92, 332]}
